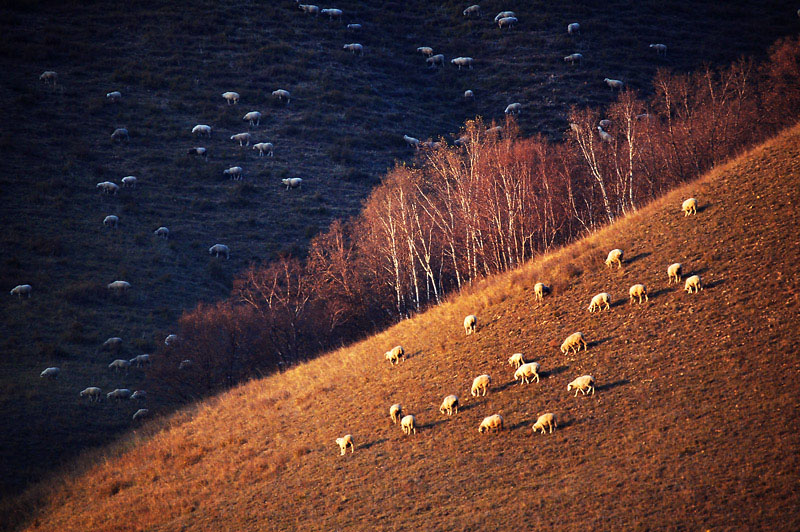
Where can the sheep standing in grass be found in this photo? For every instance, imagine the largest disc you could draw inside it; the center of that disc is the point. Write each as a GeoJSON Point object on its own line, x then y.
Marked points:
{"type": "Point", "coordinates": [129, 181]}
{"type": "Point", "coordinates": [185, 364]}
{"type": "Point", "coordinates": [220, 249]}
{"type": "Point", "coordinates": [108, 187]}
{"type": "Point", "coordinates": [637, 291]}
{"type": "Point", "coordinates": [264, 147]}
{"type": "Point", "coordinates": [693, 283]}
{"type": "Point", "coordinates": [614, 256]}
{"type": "Point", "coordinates": [540, 289]}
{"type": "Point", "coordinates": [112, 344]}
{"type": "Point", "coordinates": [120, 134]}
{"type": "Point", "coordinates": [171, 339]}
{"type": "Point", "coordinates": [343, 442]}
{"type": "Point", "coordinates": [480, 385]}
{"type": "Point", "coordinates": [231, 97]}
{"type": "Point", "coordinates": [507, 22]}
{"type": "Point", "coordinates": [395, 355]}
{"type": "Point", "coordinates": [198, 152]}
{"type": "Point", "coordinates": [411, 141]}
{"type": "Point", "coordinates": [354, 48]}
{"type": "Point", "coordinates": [141, 413]}
{"type": "Point", "coordinates": [605, 136]}
{"type": "Point", "coordinates": [332, 13]}
{"type": "Point", "coordinates": [474, 9]}
{"type": "Point", "coordinates": [661, 49]}
{"type": "Point", "coordinates": [527, 372]}
{"type": "Point", "coordinates": [600, 300]}
{"type": "Point", "coordinates": [354, 26]}
{"type": "Point", "coordinates": [50, 373]}
{"type": "Point", "coordinates": [462, 62]}
{"type": "Point", "coordinates": [234, 172]}
{"type": "Point", "coordinates": [408, 424]}
{"type": "Point", "coordinates": [22, 289]}
{"type": "Point", "coordinates": [493, 423]}
{"type": "Point", "coordinates": [50, 77]}
{"type": "Point", "coordinates": [614, 83]}
{"type": "Point", "coordinates": [605, 123]}
{"type": "Point", "coordinates": [470, 324]}
{"type": "Point", "coordinates": [573, 58]}
{"type": "Point", "coordinates": [139, 395]}
{"type": "Point", "coordinates": [140, 360]}
{"type": "Point", "coordinates": [202, 129]}
{"type": "Point", "coordinates": [574, 28]}
{"type": "Point", "coordinates": [162, 232]}
{"type": "Point", "coordinates": [292, 182]}
{"type": "Point", "coordinates": [449, 404]}
{"type": "Point", "coordinates": [583, 384]}
{"type": "Point", "coordinates": [545, 420]}
{"type": "Point", "coordinates": [674, 272]}
{"type": "Point", "coordinates": [114, 96]}
{"type": "Point", "coordinates": [242, 138]}
{"type": "Point", "coordinates": [310, 9]}
{"type": "Point", "coordinates": [504, 14]}
{"type": "Point", "coordinates": [111, 221]}
{"type": "Point", "coordinates": [574, 339]}
{"type": "Point", "coordinates": [689, 206]}
{"type": "Point", "coordinates": [93, 393]}
{"type": "Point", "coordinates": [253, 117]}
{"type": "Point", "coordinates": [434, 60]}
{"type": "Point", "coordinates": [282, 95]}
{"type": "Point", "coordinates": [119, 394]}
{"type": "Point", "coordinates": [513, 108]}
{"type": "Point", "coordinates": [119, 286]}
{"type": "Point", "coordinates": [395, 412]}
{"type": "Point", "coordinates": [469, 95]}
{"type": "Point", "coordinates": [119, 364]}
{"type": "Point", "coordinates": [425, 50]}
{"type": "Point", "coordinates": [516, 360]}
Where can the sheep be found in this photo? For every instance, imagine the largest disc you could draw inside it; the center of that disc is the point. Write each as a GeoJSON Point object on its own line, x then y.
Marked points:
{"type": "Point", "coordinates": [425, 50]}
{"type": "Point", "coordinates": [139, 395]}
{"type": "Point", "coordinates": [50, 373]}
{"type": "Point", "coordinates": [185, 364]}
{"type": "Point", "coordinates": [689, 206]}
{"type": "Point", "coordinates": [343, 442]}
{"type": "Point", "coordinates": [21, 289]}
{"type": "Point", "coordinates": [198, 151]}
{"type": "Point", "coordinates": [332, 13]}
{"type": "Point", "coordinates": [253, 117]}
{"type": "Point", "coordinates": [114, 96]}
{"type": "Point", "coordinates": [527, 372]}
{"type": "Point", "coordinates": [234, 172]}
{"type": "Point", "coordinates": [474, 9]}
{"type": "Point", "coordinates": [242, 138]}
{"type": "Point", "coordinates": [462, 140]}
{"type": "Point", "coordinates": [540, 289]}
{"type": "Point", "coordinates": [513, 108]}
{"type": "Point", "coordinates": [50, 77]}
{"type": "Point", "coordinates": [430, 144]}
{"type": "Point", "coordinates": [504, 14]}
{"type": "Point", "coordinates": [119, 286]}
{"type": "Point", "coordinates": [661, 49]}
{"type": "Point", "coordinates": [264, 147]}
{"type": "Point", "coordinates": [462, 62]}
{"type": "Point", "coordinates": [573, 58]}
{"type": "Point", "coordinates": [220, 249]}
{"type": "Point", "coordinates": [605, 136]}
{"type": "Point", "coordinates": [395, 412]}
{"type": "Point", "coordinates": [516, 360]}
{"type": "Point", "coordinates": [613, 83]}
{"type": "Point", "coordinates": [162, 232]}
{"type": "Point", "coordinates": [108, 187]}
{"type": "Point", "coordinates": [119, 394]}
{"type": "Point", "coordinates": [354, 48]}
{"type": "Point", "coordinates": [171, 339]}
{"type": "Point", "coordinates": [120, 134]}
{"type": "Point", "coordinates": [491, 423]}
{"type": "Point", "coordinates": [480, 384]}
{"type": "Point", "coordinates": [605, 123]}
{"type": "Point", "coordinates": [140, 360]}
{"type": "Point", "coordinates": [470, 324]}
{"type": "Point", "coordinates": [637, 291]}
{"type": "Point", "coordinates": [693, 282]}
{"type": "Point", "coordinates": [434, 60]}
{"type": "Point", "coordinates": [507, 22]}
{"type": "Point", "coordinates": [141, 413]}
{"type": "Point", "coordinates": [574, 339]}
{"type": "Point", "coordinates": [411, 141]}
{"type": "Point", "coordinates": [574, 28]}
{"type": "Point", "coordinates": [545, 420]}
{"type": "Point", "coordinates": [292, 182]}
{"type": "Point", "coordinates": [408, 424]}
{"type": "Point", "coordinates": [93, 393]}
{"type": "Point", "coordinates": [111, 220]}
{"type": "Point", "coordinates": [643, 116]}
{"type": "Point", "coordinates": [310, 9]}
{"type": "Point", "coordinates": [496, 130]}
{"type": "Point", "coordinates": [354, 26]}
{"type": "Point", "coordinates": [231, 97]}
{"type": "Point", "coordinates": [449, 404]}
{"type": "Point", "coordinates": [112, 344]}
{"type": "Point", "coordinates": [119, 364]}
{"type": "Point", "coordinates": [603, 298]}
{"type": "Point", "coordinates": [469, 95]}
{"type": "Point", "coordinates": [282, 94]}
{"type": "Point", "coordinates": [395, 355]}
{"type": "Point", "coordinates": [583, 384]}
{"type": "Point", "coordinates": [129, 181]}
{"type": "Point", "coordinates": [202, 129]}
{"type": "Point", "coordinates": [674, 272]}
{"type": "Point", "coordinates": [615, 255]}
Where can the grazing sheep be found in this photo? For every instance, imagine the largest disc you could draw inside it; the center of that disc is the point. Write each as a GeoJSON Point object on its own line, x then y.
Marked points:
{"type": "Point", "coordinates": [119, 364]}
{"type": "Point", "coordinates": [112, 344]}
{"type": "Point", "coordinates": [119, 286]}
{"type": "Point", "coordinates": [119, 394]}
{"type": "Point", "coordinates": [493, 423]}
{"type": "Point", "coordinates": [50, 77]}
{"type": "Point", "coordinates": [120, 134]}
{"type": "Point", "coordinates": [332, 13]}
{"type": "Point", "coordinates": [574, 28]}
{"type": "Point", "coordinates": [449, 404]}
{"type": "Point", "coordinates": [141, 413]}
{"type": "Point", "coordinates": [282, 94]}
{"type": "Point", "coordinates": [343, 442]}
{"type": "Point", "coordinates": [470, 324]}
{"type": "Point", "coordinates": [613, 83]}
{"type": "Point", "coordinates": [292, 182]}
{"type": "Point", "coordinates": [411, 141]}
{"type": "Point", "coordinates": [429, 144]}
{"type": "Point", "coordinates": [545, 420]}
{"type": "Point", "coordinates": [583, 384]}
{"type": "Point", "coordinates": [469, 95]}
{"type": "Point", "coordinates": [462, 140]}
{"type": "Point", "coordinates": [605, 123]}
{"type": "Point", "coordinates": [675, 271]}
{"type": "Point", "coordinates": [462, 62]}
{"type": "Point", "coordinates": [573, 58]}
{"type": "Point", "coordinates": [234, 172]}
{"type": "Point", "coordinates": [425, 50]}
{"type": "Point", "coordinates": [108, 187]}
{"type": "Point", "coordinates": [202, 129]}
{"type": "Point", "coordinates": [140, 360]}
{"type": "Point", "coordinates": [615, 255]}
{"type": "Point", "coordinates": [171, 339]}
{"type": "Point", "coordinates": [504, 14]}
{"type": "Point", "coordinates": [220, 249]}
{"type": "Point", "coordinates": [516, 360]}
{"type": "Point", "coordinates": [139, 395]}
{"type": "Point", "coordinates": [22, 289]}
{"type": "Point", "coordinates": [93, 393]}
{"type": "Point", "coordinates": [242, 138]}
{"type": "Point", "coordinates": [185, 364]}
{"type": "Point", "coordinates": [395, 355]}
{"type": "Point", "coordinates": [354, 26]}
{"type": "Point", "coordinates": [162, 232]}
{"type": "Point", "coordinates": [603, 298]}
{"type": "Point", "coordinates": [496, 130]}
{"type": "Point", "coordinates": [231, 97]}
{"type": "Point", "coordinates": [408, 424]}
{"type": "Point", "coordinates": [264, 147]}
{"type": "Point", "coordinates": [254, 117]}
{"type": "Point", "coordinates": [637, 291]}
{"type": "Point", "coordinates": [507, 22]}
{"type": "Point", "coordinates": [513, 108]}
{"type": "Point", "coordinates": [111, 220]}
{"type": "Point", "coordinates": [480, 384]}
{"type": "Point", "coordinates": [474, 9]}
{"type": "Point", "coordinates": [198, 151]}
{"type": "Point", "coordinates": [50, 373]}
{"type": "Point", "coordinates": [540, 289]}
{"type": "Point", "coordinates": [395, 412]}
{"type": "Point", "coordinates": [434, 60]}
{"type": "Point", "coordinates": [114, 96]}
{"type": "Point", "coordinates": [605, 136]}
{"type": "Point", "coordinates": [354, 48]}
{"type": "Point", "coordinates": [574, 339]}
{"type": "Point", "coordinates": [661, 49]}
{"type": "Point", "coordinates": [693, 282]}
{"type": "Point", "coordinates": [689, 206]}
{"type": "Point", "coordinates": [129, 181]}
{"type": "Point", "coordinates": [310, 9]}
{"type": "Point", "coordinates": [527, 372]}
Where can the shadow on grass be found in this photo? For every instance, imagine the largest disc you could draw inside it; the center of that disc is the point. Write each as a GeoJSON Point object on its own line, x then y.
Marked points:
{"type": "Point", "coordinates": [505, 386]}
{"type": "Point", "coordinates": [601, 341]}
{"type": "Point", "coordinates": [638, 256]}
{"type": "Point", "coordinates": [659, 292]}
{"type": "Point", "coordinates": [553, 372]}
{"type": "Point", "coordinates": [371, 443]}
{"type": "Point", "coordinates": [713, 284]}
{"type": "Point", "coordinates": [611, 385]}
{"type": "Point", "coordinates": [436, 423]}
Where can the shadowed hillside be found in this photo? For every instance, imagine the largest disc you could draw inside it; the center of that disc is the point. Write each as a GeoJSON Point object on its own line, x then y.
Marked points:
{"type": "Point", "coordinates": [693, 424]}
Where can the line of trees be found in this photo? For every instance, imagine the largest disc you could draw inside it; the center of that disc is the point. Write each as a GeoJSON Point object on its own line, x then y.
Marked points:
{"type": "Point", "coordinates": [463, 212]}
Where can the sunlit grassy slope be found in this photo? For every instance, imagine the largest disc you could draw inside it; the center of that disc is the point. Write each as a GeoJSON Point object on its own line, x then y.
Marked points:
{"type": "Point", "coordinates": [693, 425]}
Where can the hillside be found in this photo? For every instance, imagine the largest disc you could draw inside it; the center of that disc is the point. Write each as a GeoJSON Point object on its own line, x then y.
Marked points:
{"type": "Point", "coordinates": [693, 424]}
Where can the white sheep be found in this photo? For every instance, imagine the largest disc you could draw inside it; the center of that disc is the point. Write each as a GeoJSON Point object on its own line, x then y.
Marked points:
{"type": "Point", "coordinates": [513, 108]}
{"type": "Point", "coordinates": [540, 289]}
{"type": "Point", "coordinates": [462, 62]}
{"type": "Point", "coordinates": [637, 291]}
{"type": "Point", "coordinates": [474, 9]}
{"type": "Point", "coordinates": [108, 187]}
{"type": "Point", "coordinates": [469, 95]}
{"type": "Point", "coordinates": [111, 220]}
{"type": "Point", "coordinates": [470, 323]}
{"type": "Point", "coordinates": [253, 117]}
{"type": "Point", "coordinates": [689, 206]}
{"type": "Point", "coordinates": [395, 412]}
{"type": "Point", "coordinates": [332, 13]}
{"type": "Point", "coordinates": [198, 151]}
{"type": "Point", "coordinates": [171, 339]}
{"type": "Point", "coordinates": [583, 384]}
{"type": "Point", "coordinates": [140, 360]}
{"type": "Point", "coordinates": [615, 255]}
{"type": "Point", "coordinates": [605, 123]}
{"type": "Point", "coordinates": [120, 134]}
{"type": "Point", "coordinates": [496, 130]}
{"type": "Point", "coordinates": [605, 136]}
{"type": "Point", "coordinates": [462, 140]}
{"type": "Point", "coordinates": [674, 271]}
{"type": "Point", "coordinates": [343, 442]}
{"type": "Point", "coordinates": [114, 96]}
{"type": "Point", "coordinates": [574, 339]}
{"type": "Point", "coordinates": [573, 58]}
{"type": "Point", "coordinates": [354, 48]}
{"type": "Point", "coordinates": [292, 182]}
{"type": "Point", "coordinates": [220, 249]}
{"type": "Point", "coordinates": [162, 232]}
{"type": "Point", "coordinates": [661, 49]}
{"type": "Point", "coordinates": [527, 372]}
{"type": "Point", "coordinates": [412, 142]}
{"type": "Point", "coordinates": [185, 364]}
{"type": "Point", "coordinates": [93, 393]}
{"type": "Point", "coordinates": [242, 138]}
{"type": "Point", "coordinates": [234, 172]}
{"type": "Point", "coordinates": [480, 384]}
{"type": "Point", "coordinates": [139, 395]}
{"type": "Point", "coordinates": [430, 144]}
{"type": "Point", "coordinates": [434, 60]}
{"type": "Point", "coordinates": [119, 286]}
{"type": "Point", "coordinates": [504, 14]}
{"type": "Point", "coordinates": [112, 344]}
{"type": "Point", "coordinates": [408, 424]}
{"type": "Point", "coordinates": [50, 77]}
{"type": "Point", "coordinates": [202, 129]}
{"type": "Point", "coordinates": [598, 301]}
{"type": "Point", "coordinates": [507, 22]}
{"type": "Point", "coordinates": [310, 9]}
{"type": "Point", "coordinates": [574, 28]}
{"type": "Point", "coordinates": [545, 420]}
{"type": "Point", "coordinates": [354, 26]}
{"type": "Point", "coordinates": [231, 97]}
{"type": "Point", "coordinates": [141, 413]}
{"type": "Point", "coordinates": [264, 147]}
{"type": "Point", "coordinates": [119, 364]}
{"type": "Point", "coordinates": [129, 181]}
{"type": "Point", "coordinates": [693, 282]}
{"type": "Point", "coordinates": [282, 94]}
{"type": "Point", "coordinates": [119, 394]}
{"type": "Point", "coordinates": [449, 404]}
{"type": "Point", "coordinates": [425, 50]}
{"type": "Point", "coordinates": [395, 355]}
{"type": "Point", "coordinates": [50, 373]}
{"type": "Point", "coordinates": [22, 289]}
{"type": "Point", "coordinates": [493, 423]}
{"type": "Point", "coordinates": [613, 83]}
{"type": "Point", "coordinates": [516, 360]}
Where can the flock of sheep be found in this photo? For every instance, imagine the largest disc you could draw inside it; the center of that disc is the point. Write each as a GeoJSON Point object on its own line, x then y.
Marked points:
{"type": "Point", "coordinates": [527, 372]}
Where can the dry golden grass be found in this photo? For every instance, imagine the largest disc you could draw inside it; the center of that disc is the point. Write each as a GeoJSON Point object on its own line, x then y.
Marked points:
{"type": "Point", "coordinates": [687, 429]}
